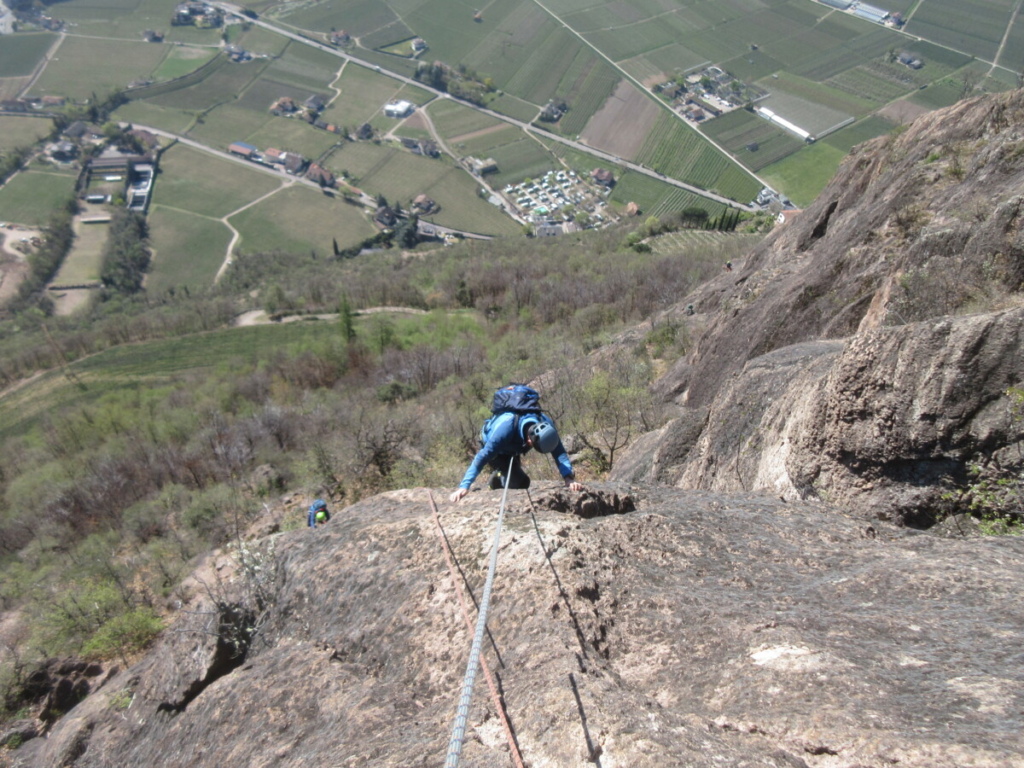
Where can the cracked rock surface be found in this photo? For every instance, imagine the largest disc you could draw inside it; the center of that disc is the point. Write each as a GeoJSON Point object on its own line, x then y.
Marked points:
{"type": "Point", "coordinates": [629, 626]}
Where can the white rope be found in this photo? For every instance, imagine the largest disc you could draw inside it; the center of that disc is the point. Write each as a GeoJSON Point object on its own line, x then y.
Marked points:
{"type": "Point", "coordinates": [459, 727]}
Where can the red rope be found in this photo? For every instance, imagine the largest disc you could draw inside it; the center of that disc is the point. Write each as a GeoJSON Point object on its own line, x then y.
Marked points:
{"type": "Point", "coordinates": [498, 704]}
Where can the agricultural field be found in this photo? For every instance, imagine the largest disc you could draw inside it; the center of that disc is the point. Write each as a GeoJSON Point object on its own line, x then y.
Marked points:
{"type": "Point", "coordinates": [197, 182]}
{"type": "Point", "coordinates": [805, 174]}
{"type": "Point", "coordinates": [357, 17]}
{"type": "Point", "coordinates": [81, 67]}
{"type": "Point", "coordinates": [17, 131]}
{"type": "Point", "coordinates": [621, 125]}
{"type": "Point", "coordinates": [859, 132]}
{"type": "Point", "coordinates": [82, 264]}
{"type": "Point", "coordinates": [31, 197]}
{"type": "Point", "coordinates": [974, 26]}
{"type": "Point", "coordinates": [679, 151]}
{"type": "Point", "coordinates": [148, 113]}
{"type": "Point", "coordinates": [452, 119]}
{"type": "Point", "coordinates": [362, 94]}
{"type": "Point", "coordinates": [684, 240]}
{"type": "Point", "coordinates": [188, 249]}
{"type": "Point", "coordinates": [656, 198]}
{"type": "Point", "coordinates": [182, 60]}
{"type": "Point", "coordinates": [20, 54]}
{"type": "Point", "coordinates": [463, 209]}
{"type": "Point", "coordinates": [127, 20]}
{"type": "Point", "coordinates": [300, 219]}
{"type": "Point", "coordinates": [754, 141]}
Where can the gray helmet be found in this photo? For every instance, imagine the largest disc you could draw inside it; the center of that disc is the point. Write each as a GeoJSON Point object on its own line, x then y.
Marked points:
{"type": "Point", "coordinates": [544, 436]}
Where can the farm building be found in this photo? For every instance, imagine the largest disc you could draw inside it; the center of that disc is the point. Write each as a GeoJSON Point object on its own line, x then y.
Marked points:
{"type": "Point", "coordinates": [870, 12]}
{"type": "Point", "coordinates": [284, 106]}
{"type": "Point", "coordinates": [341, 37]}
{"type": "Point", "coordinates": [419, 44]}
{"type": "Point", "coordinates": [294, 164]}
{"type": "Point", "coordinates": [398, 109]}
{"type": "Point", "coordinates": [771, 117]}
{"type": "Point", "coordinates": [910, 60]}
{"type": "Point", "coordinates": [274, 155]}
{"type": "Point", "coordinates": [321, 176]}
{"type": "Point", "coordinates": [603, 176]}
{"type": "Point", "coordinates": [423, 204]}
{"type": "Point", "coordinates": [480, 167]}
{"type": "Point", "coordinates": [242, 149]}
{"type": "Point", "coordinates": [315, 103]}
{"type": "Point", "coordinates": [842, 5]}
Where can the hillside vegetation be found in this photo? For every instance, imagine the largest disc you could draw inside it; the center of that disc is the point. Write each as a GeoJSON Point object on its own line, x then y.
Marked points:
{"type": "Point", "coordinates": [151, 431]}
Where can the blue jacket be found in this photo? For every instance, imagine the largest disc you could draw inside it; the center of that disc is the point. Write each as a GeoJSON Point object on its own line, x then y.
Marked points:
{"type": "Point", "coordinates": [502, 439]}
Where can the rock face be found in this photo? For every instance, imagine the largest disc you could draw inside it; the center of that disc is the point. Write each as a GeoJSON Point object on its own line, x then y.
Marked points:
{"type": "Point", "coordinates": [835, 362]}
{"type": "Point", "coordinates": [666, 628]}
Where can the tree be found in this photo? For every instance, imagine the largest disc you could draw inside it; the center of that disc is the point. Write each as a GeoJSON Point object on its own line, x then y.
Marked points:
{"type": "Point", "coordinates": [346, 319]}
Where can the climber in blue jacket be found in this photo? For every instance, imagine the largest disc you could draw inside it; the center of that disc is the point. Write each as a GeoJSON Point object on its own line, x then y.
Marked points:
{"type": "Point", "coordinates": [506, 437]}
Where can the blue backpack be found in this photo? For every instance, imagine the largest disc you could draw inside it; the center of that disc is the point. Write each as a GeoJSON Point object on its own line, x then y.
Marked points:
{"type": "Point", "coordinates": [515, 398]}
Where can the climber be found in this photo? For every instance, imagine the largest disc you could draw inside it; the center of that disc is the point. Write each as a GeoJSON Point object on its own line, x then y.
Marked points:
{"type": "Point", "coordinates": [506, 436]}
{"type": "Point", "coordinates": [318, 513]}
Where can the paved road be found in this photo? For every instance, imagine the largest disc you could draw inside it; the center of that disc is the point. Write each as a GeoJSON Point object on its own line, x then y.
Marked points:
{"type": "Point", "coordinates": [525, 126]}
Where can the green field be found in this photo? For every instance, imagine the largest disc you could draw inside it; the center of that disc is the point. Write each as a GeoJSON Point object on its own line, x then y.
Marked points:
{"type": "Point", "coordinates": [148, 113]}
{"type": "Point", "coordinates": [973, 26]}
{"type": "Point", "coordinates": [656, 198]}
{"type": "Point", "coordinates": [134, 366]}
{"type": "Point", "coordinates": [20, 54]}
{"type": "Point", "coordinates": [188, 249]}
{"type": "Point", "coordinates": [805, 174]}
{"type": "Point", "coordinates": [31, 197]}
{"type": "Point", "coordinates": [181, 60]}
{"type": "Point", "coordinates": [197, 182]}
{"type": "Point", "coordinates": [82, 66]}
{"type": "Point", "coordinates": [453, 119]}
{"type": "Point", "coordinates": [82, 264]}
{"type": "Point", "coordinates": [17, 131]}
{"type": "Point", "coordinates": [300, 219]}
{"type": "Point", "coordinates": [740, 130]}
{"type": "Point", "coordinates": [677, 150]}
{"type": "Point", "coordinates": [362, 94]}
{"type": "Point", "coordinates": [861, 131]}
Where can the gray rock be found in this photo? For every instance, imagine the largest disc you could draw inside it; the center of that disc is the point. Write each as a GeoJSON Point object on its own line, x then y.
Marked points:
{"type": "Point", "coordinates": [699, 629]}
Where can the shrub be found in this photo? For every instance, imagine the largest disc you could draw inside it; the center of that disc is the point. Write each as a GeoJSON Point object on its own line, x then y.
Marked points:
{"type": "Point", "coordinates": [124, 634]}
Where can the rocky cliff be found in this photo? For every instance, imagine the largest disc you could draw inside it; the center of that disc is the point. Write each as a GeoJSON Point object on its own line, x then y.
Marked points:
{"type": "Point", "coordinates": [842, 360]}
{"type": "Point", "coordinates": [628, 627]}
{"type": "Point", "coordinates": [745, 591]}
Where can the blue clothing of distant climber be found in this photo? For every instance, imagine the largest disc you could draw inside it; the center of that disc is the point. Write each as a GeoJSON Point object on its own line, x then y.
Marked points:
{"type": "Point", "coordinates": [504, 442]}
{"type": "Point", "coordinates": [318, 513]}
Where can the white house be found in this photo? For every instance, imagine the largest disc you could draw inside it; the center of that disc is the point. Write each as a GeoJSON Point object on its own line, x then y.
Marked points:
{"type": "Point", "coordinates": [398, 109]}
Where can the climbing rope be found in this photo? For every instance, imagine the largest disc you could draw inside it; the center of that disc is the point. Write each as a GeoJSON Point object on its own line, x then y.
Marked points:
{"type": "Point", "coordinates": [459, 726]}
{"type": "Point", "coordinates": [460, 592]}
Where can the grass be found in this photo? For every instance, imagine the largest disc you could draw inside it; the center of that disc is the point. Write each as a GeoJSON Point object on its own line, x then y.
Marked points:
{"type": "Point", "coordinates": [84, 66]}
{"type": "Point", "coordinates": [461, 208]}
{"type": "Point", "coordinates": [197, 182]}
{"type": "Point", "coordinates": [181, 60]}
{"type": "Point", "coordinates": [18, 131]}
{"type": "Point", "coordinates": [656, 197]}
{"type": "Point", "coordinates": [20, 54]}
{"type": "Point", "coordinates": [300, 219]}
{"type": "Point", "coordinates": [129, 367]}
{"type": "Point", "coordinates": [82, 264]}
{"type": "Point", "coordinates": [363, 95]}
{"type": "Point", "coordinates": [148, 113]}
{"type": "Point", "coordinates": [802, 176]}
{"type": "Point", "coordinates": [31, 197]}
{"type": "Point", "coordinates": [188, 249]}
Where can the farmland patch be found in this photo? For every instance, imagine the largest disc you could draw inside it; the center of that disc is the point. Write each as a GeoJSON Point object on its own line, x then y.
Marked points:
{"type": "Point", "coordinates": [198, 182]}
{"type": "Point", "coordinates": [622, 124]}
{"type": "Point", "coordinates": [17, 131]}
{"type": "Point", "coordinates": [188, 249]}
{"type": "Point", "coordinates": [83, 66]}
{"type": "Point", "coordinates": [20, 54]}
{"type": "Point", "coordinates": [32, 197]}
{"type": "Point", "coordinates": [299, 219]}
